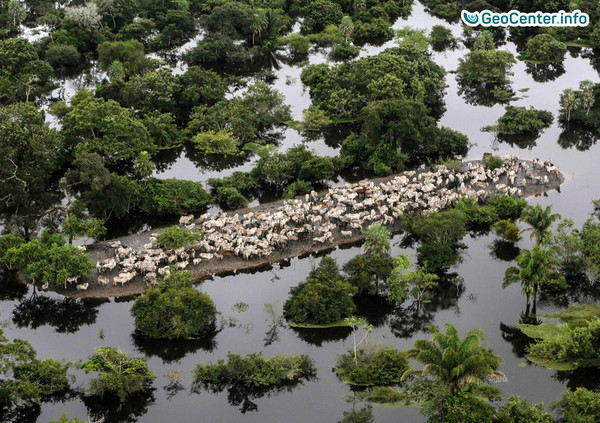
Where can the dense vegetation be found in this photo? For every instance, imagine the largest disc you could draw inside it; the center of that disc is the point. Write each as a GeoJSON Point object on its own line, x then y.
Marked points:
{"type": "Point", "coordinates": [174, 309]}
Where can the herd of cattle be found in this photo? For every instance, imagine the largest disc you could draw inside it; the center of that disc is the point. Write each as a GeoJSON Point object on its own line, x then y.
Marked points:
{"type": "Point", "coordinates": [322, 219]}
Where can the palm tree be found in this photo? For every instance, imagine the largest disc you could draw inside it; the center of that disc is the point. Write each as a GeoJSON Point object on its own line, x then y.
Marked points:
{"type": "Point", "coordinates": [455, 362]}
{"type": "Point", "coordinates": [568, 101]}
{"type": "Point", "coordinates": [378, 240]}
{"type": "Point", "coordinates": [534, 268]}
{"type": "Point", "coordinates": [346, 27]}
{"type": "Point", "coordinates": [587, 95]}
{"type": "Point", "coordinates": [259, 24]}
{"type": "Point", "coordinates": [540, 221]}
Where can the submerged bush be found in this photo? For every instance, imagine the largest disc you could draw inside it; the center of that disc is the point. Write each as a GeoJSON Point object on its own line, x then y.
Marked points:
{"type": "Point", "coordinates": [255, 371]}
{"type": "Point", "coordinates": [176, 236]}
{"type": "Point", "coordinates": [118, 373]}
{"type": "Point", "coordinates": [374, 365]}
{"type": "Point", "coordinates": [520, 120]}
{"type": "Point", "coordinates": [507, 230]}
{"type": "Point", "coordinates": [173, 197]}
{"type": "Point", "coordinates": [323, 298]}
{"type": "Point", "coordinates": [174, 309]}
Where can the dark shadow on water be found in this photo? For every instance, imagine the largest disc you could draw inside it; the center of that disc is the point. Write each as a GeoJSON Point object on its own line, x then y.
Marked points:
{"type": "Point", "coordinates": [170, 350]}
{"type": "Point", "coordinates": [578, 136]}
{"type": "Point", "coordinates": [243, 396]}
{"type": "Point", "coordinates": [11, 289]}
{"type": "Point", "coordinates": [588, 378]}
{"type": "Point", "coordinates": [504, 250]}
{"type": "Point", "coordinates": [63, 314]}
{"type": "Point", "coordinates": [514, 336]}
{"type": "Point", "coordinates": [522, 141]}
{"type": "Point", "coordinates": [544, 72]}
{"type": "Point", "coordinates": [318, 337]}
{"type": "Point", "coordinates": [374, 308]}
{"type": "Point", "coordinates": [109, 409]}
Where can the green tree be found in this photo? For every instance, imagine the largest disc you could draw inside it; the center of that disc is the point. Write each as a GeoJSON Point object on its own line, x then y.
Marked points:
{"type": "Point", "coordinates": [174, 309]}
{"type": "Point", "coordinates": [346, 27]}
{"type": "Point", "coordinates": [16, 11]}
{"type": "Point", "coordinates": [578, 406]}
{"type": "Point", "coordinates": [587, 97]}
{"type": "Point", "coordinates": [534, 268]}
{"type": "Point", "coordinates": [118, 373]}
{"type": "Point", "coordinates": [94, 125]}
{"type": "Point", "coordinates": [323, 298]}
{"type": "Point", "coordinates": [143, 166]}
{"type": "Point", "coordinates": [569, 102]}
{"type": "Point", "coordinates": [27, 380]}
{"type": "Point", "coordinates": [484, 41]}
{"type": "Point", "coordinates": [540, 221]}
{"type": "Point", "coordinates": [30, 154]}
{"type": "Point", "coordinates": [65, 419]}
{"type": "Point", "coordinates": [545, 48]}
{"type": "Point", "coordinates": [176, 237]}
{"type": "Point", "coordinates": [457, 363]}
{"type": "Point", "coordinates": [517, 410]}
{"type": "Point", "coordinates": [74, 226]}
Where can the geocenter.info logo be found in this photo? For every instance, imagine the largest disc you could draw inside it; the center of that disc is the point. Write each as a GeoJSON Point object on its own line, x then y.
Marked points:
{"type": "Point", "coordinates": [516, 18]}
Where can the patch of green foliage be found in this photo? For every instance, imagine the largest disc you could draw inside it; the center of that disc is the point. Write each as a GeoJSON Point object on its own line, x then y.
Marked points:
{"type": "Point", "coordinates": [567, 346]}
{"type": "Point", "coordinates": [507, 230]}
{"type": "Point", "coordinates": [176, 236]}
{"type": "Point", "coordinates": [255, 371]}
{"type": "Point", "coordinates": [323, 298]}
{"type": "Point", "coordinates": [173, 197]}
{"type": "Point", "coordinates": [174, 309]}
{"type": "Point", "coordinates": [45, 260]}
{"type": "Point", "coordinates": [493, 162]}
{"type": "Point", "coordinates": [118, 373]}
{"type": "Point", "coordinates": [375, 365]}
{"type": "Point", "coordinates": [27, 380]}
{"type": "Point", "coordinates": [520, 120]}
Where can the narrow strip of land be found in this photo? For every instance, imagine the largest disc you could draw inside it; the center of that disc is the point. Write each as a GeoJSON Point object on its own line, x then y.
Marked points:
{"type": "Point", "coordinates": [259, 236]}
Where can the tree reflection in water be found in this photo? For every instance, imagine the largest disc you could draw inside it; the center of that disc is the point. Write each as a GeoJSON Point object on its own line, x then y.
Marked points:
{"type": "Point", "coordinates": [109, 409]}
{"type": "Point", "coordinates": [514, 336]}
{"type": "Point", "coordinates": [63, 314]}
{"type": "Point", "coordinates": [504, 250]}
{"type": "Point", "coordinates": [244, 396]}
{"type": "Point", "coordinates": [173, 350]}
{"type": "Point", "coordinates": [577, 136]}
{"type": "Point", "coordinates": [362, 415]}
{"type": "Point", "coordinates": [544, 72]}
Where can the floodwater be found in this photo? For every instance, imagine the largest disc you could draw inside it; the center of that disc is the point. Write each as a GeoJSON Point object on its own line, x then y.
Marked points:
{"type": "Point", "coordinates": [72, 329]}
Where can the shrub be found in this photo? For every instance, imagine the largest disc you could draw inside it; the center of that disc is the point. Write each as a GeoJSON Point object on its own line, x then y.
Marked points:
{"type": "Point", "coordinates": [314, 119]}
{"type": "Point", "coordinates": [493, 162]}
{"type": "Point", "coordinates": [299, 44]}
{"type": "Point", "coordinates": [297, 188]}
{"type": "Point", "coordinates": [230, 198]}
{"type": "Point", "coordinates": [516, 410]}
{"type": "Point", "coordinates": [579, 406]}
{"type": "Point", "coordinates": [48, 260]}
{"type": "Point", "coordinates": [323, 298]}
{"type": "Point", "coordinates": [254, 371]}
{"type": "Point", "coordinates": [507, 207]}
{"type": "Point", "coordinates": [176, 236]}
{"type": "Point", "coordinates": [520, 120]}
{"type": "Point", "coordinates": [441, 38]}
{"type": "Point", "coordinates": [545, 48]}
{"type": "Point", "coordinates": [221, 142]}
{"type": "Point", "coordinates": [435, 256]}
{"type": "Point", "coordinates": [507, 230]}
{"type": "Point", "coordinates": [374, 365]}
{"type": "Point", "coordinates": [446, 227]}
{"type": "Point", "coordinates": [173, 197]}
{"type": "Point", "coordinates": [476, 214]}
{"type": "Point", "coordinates": [118, 373]}
{"type": "Point", "coordinates": [344, 51]}
{"type": "Point", "coordinates": [174, 309]}
{"type": "Point", "coordinates": [365, 271]}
